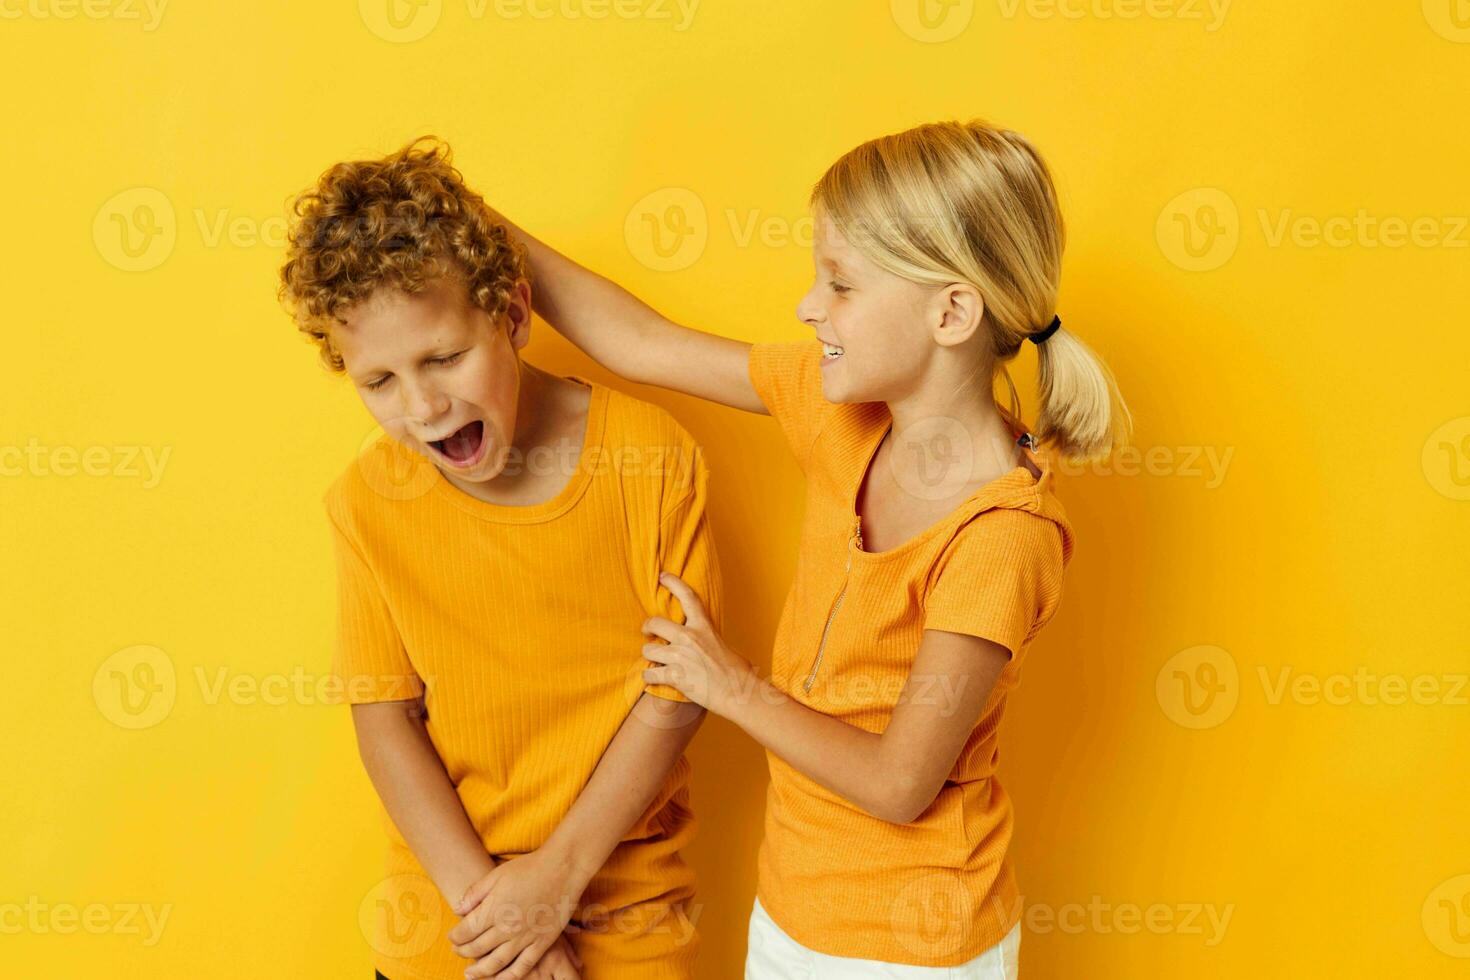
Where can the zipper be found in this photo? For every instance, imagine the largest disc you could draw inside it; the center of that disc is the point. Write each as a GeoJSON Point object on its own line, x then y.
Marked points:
{"type": "Point", "coordinates": [855, 538]}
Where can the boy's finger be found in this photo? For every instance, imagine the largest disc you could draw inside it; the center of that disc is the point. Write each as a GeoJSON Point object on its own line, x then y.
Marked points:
{"type": "Point", "coordinates": [475, 922]}
{"type": "Point", "coordinates": [522, 965]}
{"type": "Point", "coordinates": [492, 942]}
{"type": "Point", "coordinates": [475, 894]}
{"type": "Point", "coordinates": [493, 962]}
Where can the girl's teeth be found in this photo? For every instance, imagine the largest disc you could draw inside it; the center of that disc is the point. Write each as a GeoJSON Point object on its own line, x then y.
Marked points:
{"type": "Point", "coordinates": [830, 351]}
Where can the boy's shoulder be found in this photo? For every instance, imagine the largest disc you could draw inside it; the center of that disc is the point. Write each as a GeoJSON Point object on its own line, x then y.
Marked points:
{"type": "Point", "coordinates": [381, 473]}
{"type": "Point", "coordinates": [635, 423]}
{"type": "Point", "coordinates": [645, 444]}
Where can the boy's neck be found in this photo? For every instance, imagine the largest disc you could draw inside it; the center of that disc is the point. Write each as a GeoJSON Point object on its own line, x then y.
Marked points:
{"type": "Point", "coordinates": [551, 413]}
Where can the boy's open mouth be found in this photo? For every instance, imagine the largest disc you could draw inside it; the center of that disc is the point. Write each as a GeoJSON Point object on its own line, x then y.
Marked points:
{"type": "Point", "coordinates": [463, 447]}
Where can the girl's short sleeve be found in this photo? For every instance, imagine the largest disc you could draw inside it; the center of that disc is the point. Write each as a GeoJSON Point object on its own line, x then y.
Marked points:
{"type": "Point", "coordinates": [1000, 578]}
{"type": "Point", "coordinates": [788, 379]}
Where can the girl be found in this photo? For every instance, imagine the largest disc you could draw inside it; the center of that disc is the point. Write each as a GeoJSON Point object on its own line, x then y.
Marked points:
{"type": "Point", "coordinates": [932, 551]}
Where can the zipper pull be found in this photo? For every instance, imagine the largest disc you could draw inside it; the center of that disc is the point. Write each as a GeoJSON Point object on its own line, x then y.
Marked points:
{"type": "Point", "coordinates": [857, 530]}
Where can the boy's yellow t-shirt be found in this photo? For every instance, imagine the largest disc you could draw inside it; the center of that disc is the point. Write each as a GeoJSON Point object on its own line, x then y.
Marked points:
{"type": "Point", "coordinates": [938, 891]}
{"type": "Point", "coordinates": [520, 626]}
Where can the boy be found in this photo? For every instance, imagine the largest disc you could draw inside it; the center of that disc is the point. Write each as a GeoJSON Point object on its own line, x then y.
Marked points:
{"type": "Point", "coordinates": [498, 550]}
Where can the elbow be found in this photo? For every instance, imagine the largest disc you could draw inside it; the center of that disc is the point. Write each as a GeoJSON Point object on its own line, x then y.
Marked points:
{"type": "Point", "coordinates": [901, 800]}
{"type": "Point", "coordinates": [379, 725]}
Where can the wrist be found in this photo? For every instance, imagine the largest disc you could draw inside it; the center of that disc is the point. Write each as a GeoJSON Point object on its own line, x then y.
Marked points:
{"type": "Point", "coordinates": [742, 705]}
{"type": "Point", "coordinates": [574, 863]}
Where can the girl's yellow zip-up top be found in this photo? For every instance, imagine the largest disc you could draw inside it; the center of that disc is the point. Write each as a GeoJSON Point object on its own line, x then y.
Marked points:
{"type": "Point", "coordinates": [940, 890]}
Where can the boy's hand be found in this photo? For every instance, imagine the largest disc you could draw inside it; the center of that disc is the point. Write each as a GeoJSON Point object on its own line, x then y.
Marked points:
{"type": "Point", "coordinates": [561, 962]}
{"type": "Point", "coordinates": [515, 914]}
{"type": "Point", "coordinates": [695, 660]}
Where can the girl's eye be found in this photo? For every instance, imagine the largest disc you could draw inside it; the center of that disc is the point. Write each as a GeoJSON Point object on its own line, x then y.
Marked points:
{"type": "Point", "coordinates": [838, 288]}
{"type": "Point", "coordinates": [450, 359]}
{"type": "Point", "coordinates": [375, 385]}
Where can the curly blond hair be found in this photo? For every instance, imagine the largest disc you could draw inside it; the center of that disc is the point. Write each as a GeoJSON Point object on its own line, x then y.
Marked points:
{"type": "Point", "coordinates": [401, 222]}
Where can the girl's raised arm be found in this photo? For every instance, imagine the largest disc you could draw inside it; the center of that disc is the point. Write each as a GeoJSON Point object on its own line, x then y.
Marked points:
{"type": "Point", "coordinates": [630, 338]}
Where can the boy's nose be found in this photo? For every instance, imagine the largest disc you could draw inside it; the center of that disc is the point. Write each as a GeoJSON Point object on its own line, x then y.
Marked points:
{"type": "Point", "coordinates": [425, 406]}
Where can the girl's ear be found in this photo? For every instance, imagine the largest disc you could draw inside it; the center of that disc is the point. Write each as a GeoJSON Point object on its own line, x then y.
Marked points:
{"type": "Point", "coordinates": [960, 312]}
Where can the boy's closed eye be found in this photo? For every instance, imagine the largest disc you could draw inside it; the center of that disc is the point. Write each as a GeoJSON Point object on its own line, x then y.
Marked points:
{"type": "Point", "coordinates": [447, 359]}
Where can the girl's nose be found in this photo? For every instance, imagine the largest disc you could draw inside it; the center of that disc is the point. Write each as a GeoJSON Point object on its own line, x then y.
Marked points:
{"type": "Point", "coordinates": [807, 311]}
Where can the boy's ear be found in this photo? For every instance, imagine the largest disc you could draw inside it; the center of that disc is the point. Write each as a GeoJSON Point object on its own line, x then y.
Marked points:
{"type": "Point", "coordinates": [518, 314]}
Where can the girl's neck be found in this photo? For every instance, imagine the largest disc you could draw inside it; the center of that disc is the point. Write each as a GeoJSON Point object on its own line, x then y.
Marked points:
{"type": "Point", "coordinates": [923, 425]}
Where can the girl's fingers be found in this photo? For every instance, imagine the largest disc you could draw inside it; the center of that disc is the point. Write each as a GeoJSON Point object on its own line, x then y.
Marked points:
{"type": "Point", "coordinates": [693, 606]}
{"type": "Point", "coordinates": [659, 675]}
{"type": "Point", "coordinates": [660, 653]}
{"type": "Point", "coordinates": [663, 628]}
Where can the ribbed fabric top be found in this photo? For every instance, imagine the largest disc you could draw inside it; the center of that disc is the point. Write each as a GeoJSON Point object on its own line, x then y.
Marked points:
{"type": "Point", "coordinates": [940, 890]}
{"type": "Point", "coordinates": [521, 628]}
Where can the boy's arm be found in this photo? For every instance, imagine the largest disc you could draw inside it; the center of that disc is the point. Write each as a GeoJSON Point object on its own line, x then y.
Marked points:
{"type": "Point", "coordinates": [630, 338]}
{"type": "Point", "coordinates": [515, 912]}
{"type": "Point", "coordinates": [624, 784]}
{"type": "Point", "coordinates": [410, 779]}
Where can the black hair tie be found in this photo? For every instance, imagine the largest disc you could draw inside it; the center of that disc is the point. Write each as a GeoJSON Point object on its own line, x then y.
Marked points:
{"type": "Point", "coordinates": [1040, 336]}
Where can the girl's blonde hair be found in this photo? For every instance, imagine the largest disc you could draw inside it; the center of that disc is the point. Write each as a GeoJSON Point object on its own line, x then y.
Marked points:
{"type": "Point", "coordinates": [969, 202]}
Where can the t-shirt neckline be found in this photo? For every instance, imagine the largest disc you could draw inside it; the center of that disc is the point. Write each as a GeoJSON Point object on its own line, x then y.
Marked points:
{"type": "Point", "coordinates": [995, 493]}
{"type": "Point", "coordinates": [592, 440]}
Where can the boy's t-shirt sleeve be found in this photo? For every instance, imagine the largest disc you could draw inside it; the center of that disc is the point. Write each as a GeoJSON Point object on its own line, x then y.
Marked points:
{"type": "Point", "coordinates": [1000, 578]}
{"type": "Point", "coordinates": [788, 379]}
{"type": "Point", "coordinates": [368, 653]}
{"type": "Point", "coordinates": [686, 545]}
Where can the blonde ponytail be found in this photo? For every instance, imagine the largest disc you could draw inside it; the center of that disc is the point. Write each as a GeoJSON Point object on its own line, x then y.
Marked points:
{"type": "Point", "coordinates": [970, 202]}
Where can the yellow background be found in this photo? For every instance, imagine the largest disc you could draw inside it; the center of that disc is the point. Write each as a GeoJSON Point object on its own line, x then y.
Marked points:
{"type": "Point", "coordinates": [1330, 549]}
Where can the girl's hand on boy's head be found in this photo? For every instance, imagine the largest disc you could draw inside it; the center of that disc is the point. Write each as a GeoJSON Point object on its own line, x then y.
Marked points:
{"type": "Point", "coordinates": [695, 661]}
{"type": "Point", "coordinates": [514, 915]}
